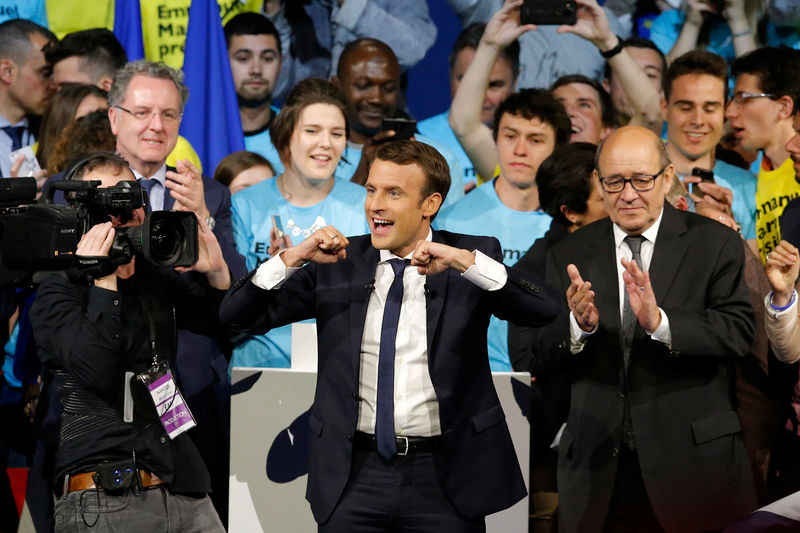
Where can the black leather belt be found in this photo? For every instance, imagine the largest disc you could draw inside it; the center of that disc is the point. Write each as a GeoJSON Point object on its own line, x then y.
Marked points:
{"type": "Point", "coordinates": [405, 445]}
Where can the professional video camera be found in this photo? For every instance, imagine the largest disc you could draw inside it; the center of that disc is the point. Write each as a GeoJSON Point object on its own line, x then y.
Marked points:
{"type": "Point", "coordinates": [44, 236]}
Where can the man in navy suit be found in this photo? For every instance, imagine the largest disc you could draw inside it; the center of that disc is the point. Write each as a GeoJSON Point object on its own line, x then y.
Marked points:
{"type": "Point", "coordinates": [407, 432]}
{"type": "Point", "coordinates": [145, 109]}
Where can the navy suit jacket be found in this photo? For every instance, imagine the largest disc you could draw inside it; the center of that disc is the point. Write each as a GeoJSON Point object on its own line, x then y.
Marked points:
{"type": "Point", "coordinates": [477, 465]}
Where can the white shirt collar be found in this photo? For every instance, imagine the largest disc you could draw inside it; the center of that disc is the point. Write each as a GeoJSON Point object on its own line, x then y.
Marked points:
{"type": "Point", "coordinates": [160, 175]}
{"type": "Point", "coordinates": [649, 234]}
{"type": "Point", "coordinates": [387, 255]}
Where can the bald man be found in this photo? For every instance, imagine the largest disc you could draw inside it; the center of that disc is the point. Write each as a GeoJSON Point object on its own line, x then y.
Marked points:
{"type": "Point", "coordinates": [657, 313]}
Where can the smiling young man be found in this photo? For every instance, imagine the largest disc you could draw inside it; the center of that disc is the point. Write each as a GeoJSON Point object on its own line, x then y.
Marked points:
{"type": "Point", "coordinates": [695, 88]}
{"type": "Point", "coordinates": [254, 50]}
{"type": "Point", "coordinates": [369, 74]}
{"type": "Point", "coordinates": [760, 113]}
{"type": "Point", "coordinates": [404, 401]}
{"type": "Point", "coordinates": [588, 106]}
{"type": "Point", "coordinates": [528, 126]}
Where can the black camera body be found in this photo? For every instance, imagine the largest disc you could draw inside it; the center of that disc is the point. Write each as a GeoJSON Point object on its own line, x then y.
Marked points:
{"type": "Point", "coordinates": [44, 236]}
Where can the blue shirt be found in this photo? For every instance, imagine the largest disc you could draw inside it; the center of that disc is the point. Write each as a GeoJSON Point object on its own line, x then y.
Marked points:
{"type": "Point", "coordinates": [253, 209]}
{"type": "Point", "coordinates": [261, 143]}
{"type": "Point", "coordinates": [352, 156]}
{"type": "Point", "coordinates": [481, 212]}
{"type": "Point", "coordinates": [438, 129]}
{"type": "Point", "coordinates": [743, 185]}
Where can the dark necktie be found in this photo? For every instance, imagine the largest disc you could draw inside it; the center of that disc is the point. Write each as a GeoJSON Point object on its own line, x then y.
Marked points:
{"type": "Point", "coordinates": [15, 133]}
{"type": "Point", "coordinates": [384, 415]}
{"type": "Point", "coordinates": [147, 185]}
{"type": "Point", "coordinates": [629, 321]}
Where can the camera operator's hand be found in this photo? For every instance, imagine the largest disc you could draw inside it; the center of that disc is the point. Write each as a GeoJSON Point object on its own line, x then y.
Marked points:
{"type": "Point", "coordinates": [96, 243]}
{"type": "Point", "coordinates": [209, 259]}
{"type": "Point", "coordinates": [186, 186]}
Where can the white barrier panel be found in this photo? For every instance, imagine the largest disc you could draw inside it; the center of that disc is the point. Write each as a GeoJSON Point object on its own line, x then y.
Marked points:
{"type": "Point", "coordinates": [269, 449]}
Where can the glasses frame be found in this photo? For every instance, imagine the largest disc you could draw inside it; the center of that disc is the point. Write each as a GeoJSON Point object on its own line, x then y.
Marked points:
{"type": "Point", "coordinates": [625, 181]}
{"type": "Point", "coordinates": [741, 97]}
{"type": "Point", "coordinates": [151, 114]}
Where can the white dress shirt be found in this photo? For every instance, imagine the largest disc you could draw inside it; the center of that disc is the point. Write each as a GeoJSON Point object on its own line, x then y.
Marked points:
{"type": "Point", "coordinates": [662, 333]}
{"type": "Point", "coordinates": [159, 189]}
{"type": "Point", "coordinates": [416, 409]}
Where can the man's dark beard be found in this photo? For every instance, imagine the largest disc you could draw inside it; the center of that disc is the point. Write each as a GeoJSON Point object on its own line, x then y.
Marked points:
{"type": "Point", "coordinates": [362, 129]}
{"type": "Point", "coordinates": [253, 103]}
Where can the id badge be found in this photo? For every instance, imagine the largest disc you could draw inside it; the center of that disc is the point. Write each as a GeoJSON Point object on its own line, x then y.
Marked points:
{"type": "Point", "coordinates": [172, 410]}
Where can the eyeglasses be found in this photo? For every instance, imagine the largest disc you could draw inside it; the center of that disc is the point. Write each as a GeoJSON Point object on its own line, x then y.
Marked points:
{"type": "Point", "coordinates": [741, 98]}
{"type": "Point", "coordinates": [168, 115]}
{"type": "Point", "coordinates": [639, 182]}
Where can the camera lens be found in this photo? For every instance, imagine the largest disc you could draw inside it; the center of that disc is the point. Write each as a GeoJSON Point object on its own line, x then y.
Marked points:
{"type": "Point", "coordinates": [165, 241]}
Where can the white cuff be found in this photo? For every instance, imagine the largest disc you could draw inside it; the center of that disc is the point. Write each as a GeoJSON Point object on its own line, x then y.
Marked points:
{"type": "Point", "coordinates": [662, 333]}
{"type": "Point", "coordinates": [577, 337]}
{"type": "Point", "coordinates": [349, 13]}
{"type": "Point", "coordinates": [273, 273]}
{"type": "Point", "coordinates": [486, 273]}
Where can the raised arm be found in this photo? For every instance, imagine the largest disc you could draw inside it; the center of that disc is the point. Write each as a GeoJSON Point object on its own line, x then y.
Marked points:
{"type": "Point", "coordinates": [593, 26]}
{"type": "Point", "coordinates": [465, 112]}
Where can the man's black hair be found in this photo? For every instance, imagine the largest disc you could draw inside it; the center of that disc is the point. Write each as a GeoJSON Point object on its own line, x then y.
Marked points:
{"type": "Point", "coordinates": [15, 41]}
{"type": "Point", "coordinates": [607, 113]}
{"type": "Point", "coordinates": [470, 37]}
{"type": "Point", "coordinates": [565, 178]}
{"type": "Point", "coordinates": [100, 51]}
{"type": "Point", "coordinates": [251, 24]}
{"type": "Point", "coordinates": [777, 69]}
{"type": "Point", "coordinates": [536, 103]}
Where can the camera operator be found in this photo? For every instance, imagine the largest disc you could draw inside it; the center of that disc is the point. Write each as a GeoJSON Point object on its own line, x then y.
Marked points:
{"type": "Point", "coordinates": [115, 453]}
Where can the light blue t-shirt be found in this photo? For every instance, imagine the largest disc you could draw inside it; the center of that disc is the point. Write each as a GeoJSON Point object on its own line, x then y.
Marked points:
{"type": "Point", "coordinates": [261, 143]}
{"type": "Point", "coordinates": [438, 129]}
{"type": "Point", "coordinates": [352, 156]}
{"type": "Point", "coordinates": [481, 212]}
{"type": "Point", "coordinates": [743, 185]}
{"type": "Point", "coordinates": [253, 209]}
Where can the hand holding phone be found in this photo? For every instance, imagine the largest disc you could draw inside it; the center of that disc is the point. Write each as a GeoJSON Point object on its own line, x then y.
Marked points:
{"type": "Point", "coordinates": [29, 166]}
{"type": "Point", "coordinates": [403, 129]}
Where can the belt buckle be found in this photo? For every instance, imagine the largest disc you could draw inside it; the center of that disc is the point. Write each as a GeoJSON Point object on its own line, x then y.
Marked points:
{"type": "Point", "coordinates": [405, 451]}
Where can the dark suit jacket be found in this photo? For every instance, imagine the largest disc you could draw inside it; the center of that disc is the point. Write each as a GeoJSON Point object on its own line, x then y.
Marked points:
{"type": "Point", "coordinates": [688, 438]}
{"type": "Point", "coordinates": [477, 464]}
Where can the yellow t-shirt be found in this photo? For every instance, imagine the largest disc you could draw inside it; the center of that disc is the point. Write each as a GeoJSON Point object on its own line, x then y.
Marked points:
{"type": "Point", "coordinates": [183, 150]}
{"type": "Point", "coordinates": [774, 190]}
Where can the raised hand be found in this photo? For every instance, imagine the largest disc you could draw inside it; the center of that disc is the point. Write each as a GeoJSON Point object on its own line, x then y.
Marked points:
{"type": "Point", "coordinates": [641, 296]}
{"type": "Point", "coordinates": [326, 245]}
{"type": "Point", "coordinates": [580, 298]}
{"type": "Point", "coordinates": [186, 186]}
{"type": "Point", "coordinates": [504, 27]}
{"type": "Point", "coordinates": [782, 268]}
{"type": "Point", "coordinates": [434, 257]}
{"type": "Point", "coordinates": [592, 25]}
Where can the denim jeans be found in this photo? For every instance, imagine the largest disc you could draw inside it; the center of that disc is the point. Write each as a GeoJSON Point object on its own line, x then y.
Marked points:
{"type": "Point", "coordinates": [150, 510]}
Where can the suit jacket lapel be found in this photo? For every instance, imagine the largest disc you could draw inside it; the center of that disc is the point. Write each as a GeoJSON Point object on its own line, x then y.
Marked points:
{"type": "Point", "coordinates": [361, 286]}
{"type": "Point", "coordinates": [668, 253]}
{"type": "Point", "coordinates": [435, 294]}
